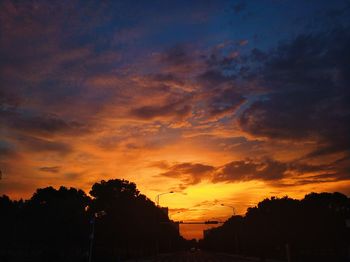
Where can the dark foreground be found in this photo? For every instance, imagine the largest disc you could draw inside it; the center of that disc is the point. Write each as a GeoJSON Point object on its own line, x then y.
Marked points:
{"type": "Point", "coordinates": [200, 256]}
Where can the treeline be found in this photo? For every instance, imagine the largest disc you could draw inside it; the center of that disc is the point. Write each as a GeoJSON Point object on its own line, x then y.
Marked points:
{"type": "Point", "coordinates": [315, 228]}
{"type": "Point", "coordinates": [58, 225]}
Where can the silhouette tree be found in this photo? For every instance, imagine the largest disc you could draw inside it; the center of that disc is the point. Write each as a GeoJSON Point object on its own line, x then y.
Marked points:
{"type": "Point", "coordinates": [128, 223]}
{"type": "Point", "coordinates": [313, 229]}
{"type": "Point", "coordinates": [51, 226]}
{"type": "Point", "coordinates": [8, 216]}
{"type": "Point", "coordinates": [54, 225]}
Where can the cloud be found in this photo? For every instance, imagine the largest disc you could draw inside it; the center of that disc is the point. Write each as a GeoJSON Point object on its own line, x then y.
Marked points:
{"type": "Point", "coordinates": [176, 55]}
{"type": "Point", "coordinates": [167, 78]}
{"type": "Point", "coordinates": [246, 170]}
{"type": "Point", "coordinates": [307, 96]}
{"type": "Point", "coordinates": [224, 101]}
{"type": "Point", "coordinates": [208, 203]}
{"type": "Point", "coordinates": [8, 98]}
{"type": "Point", "coordinates": [183, 59]}
{"type": "Point", "coordinates": [50, 169]}
{"type": "Point", "coordinates": [213, 78]}
{"type": "Point", "coordinates": [177, 110]}
{"type": "Point", "coordinates": [7, 150]}
{"type": "Point", "coordinates": [219, 95]}
{"type": "Point", "coordinates": [178, 210]}
{"type": "Point", "coordinates": [92, 89]}
{"type": "Point", "coordinates": [35, 144]}
{"type": "Point", "coordinates": [258, 55]}
{"type": "Point", "coordinates": [272, 172]}
{"type": "Point", "coordinates": [190, 173]}
{"type": "Point", "coordinates": [38, 124]}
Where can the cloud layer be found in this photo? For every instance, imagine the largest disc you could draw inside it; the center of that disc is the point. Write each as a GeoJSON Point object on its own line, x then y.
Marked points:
{"type": "Point", "coordinates": [175, 96]}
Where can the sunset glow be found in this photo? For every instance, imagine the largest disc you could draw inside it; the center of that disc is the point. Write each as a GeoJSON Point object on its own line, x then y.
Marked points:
{"type": "Point", "coordinates": [213, 100]}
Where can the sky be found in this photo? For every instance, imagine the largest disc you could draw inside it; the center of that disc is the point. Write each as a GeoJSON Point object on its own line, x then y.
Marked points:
{"type": "Point", "coordinates": [224, 103]}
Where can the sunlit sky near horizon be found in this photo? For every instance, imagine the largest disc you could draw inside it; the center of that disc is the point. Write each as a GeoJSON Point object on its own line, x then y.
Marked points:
{"type": "Point", "coordinates": [222, 102]}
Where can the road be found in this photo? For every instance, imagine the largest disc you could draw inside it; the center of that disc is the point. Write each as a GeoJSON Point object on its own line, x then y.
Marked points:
{"type": "Point", "coordinates": [199, 256]}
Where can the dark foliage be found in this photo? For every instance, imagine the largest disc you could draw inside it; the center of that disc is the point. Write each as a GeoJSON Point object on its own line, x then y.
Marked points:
{"type": "Point", "coordinates": [313, 229]}
{"type": "Point", "coordinates": [56, 225]}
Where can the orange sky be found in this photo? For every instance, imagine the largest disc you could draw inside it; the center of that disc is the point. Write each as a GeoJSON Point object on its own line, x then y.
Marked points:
{"type": "Point", "coordinates": [193, 100]}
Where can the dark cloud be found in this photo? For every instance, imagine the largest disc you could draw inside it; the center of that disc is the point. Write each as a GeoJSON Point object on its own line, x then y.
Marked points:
{"type": "Point", "coordinates": [42, 145]}
{"type": "Point", "coordinates": [258, 55]}
{"type": "Point", "coordinates": [213, 78]}
{"type": "Point", "coordinates": [45, 62]}
{"type": "Point", "coordinates": [176, 110]}
{"type": "Point", "coordinates": [341, 169]}
{"type": "Point", "coordinates": [219, 94]}
{"type": "Point", "coordinates": [246, 170]}
{"type": "Point", "coordinates": [307, 95]}
{"type": "Point", "coordinates": [7, 150]}
{"type": "Point", "coordinates": [208, 203]}
{"type": "Point", "coordinates": [338, 12]}
{"type": "Point", "coordinates": [8, 98]}
{"type": "Point", "coordinates": [224, 101]}
{"type": "Point", "coordinates": [167, 78]}
{"type": "Point", "coordinates": [50, 169]}
{"type": "Point", "coordinates": [177, 55]}
{"type": "Point", "coordinates": [264, 169]}
{"type": "Point", "coordinates": [191, 173]}
{"type": "Point", "coordinates": [304, 174]}
{"type": "Point", "coordinates": [279, 116]}
{"type": "Point", "coordinates": [39, 124]}
{"type": "Point", "coordinates": [182, 59]}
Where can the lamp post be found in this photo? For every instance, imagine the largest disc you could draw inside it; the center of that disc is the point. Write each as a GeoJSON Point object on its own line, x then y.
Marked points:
{"type": "Point", "coordinates": [235, 233]}
{"type": "Point", "coordinates": [92, 235]}
{"type": "Point", "coordinates": [157, 232]}
{"type": "Point", "coordinates": [233, 209]}
{"type": "Point", "coordinates": [95, 215]}
{"type": "Point", "coordinates": [158, 196]}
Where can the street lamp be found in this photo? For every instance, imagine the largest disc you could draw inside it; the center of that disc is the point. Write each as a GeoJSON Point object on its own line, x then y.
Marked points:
{"type": "Point", "coordinates": [158, 196]}
{"type": "Point", "coordinates": [235, 232]}
{"type": "Point", "coordinates": [92, 235]}
{"type": "Point", "coordinates": [233, 209]}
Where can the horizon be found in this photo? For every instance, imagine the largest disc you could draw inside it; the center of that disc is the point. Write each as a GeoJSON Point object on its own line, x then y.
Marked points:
{"type": "Point", "coordinates": [221, 102]}
{"type": "Point", "coordinates": [187, 230]}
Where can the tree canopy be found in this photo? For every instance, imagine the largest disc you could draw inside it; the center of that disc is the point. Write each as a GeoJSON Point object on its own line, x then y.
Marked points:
{"type": "Point", "coordinates": [56, 224]}
{"type": "Point", "coordinates": [314, 229]}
